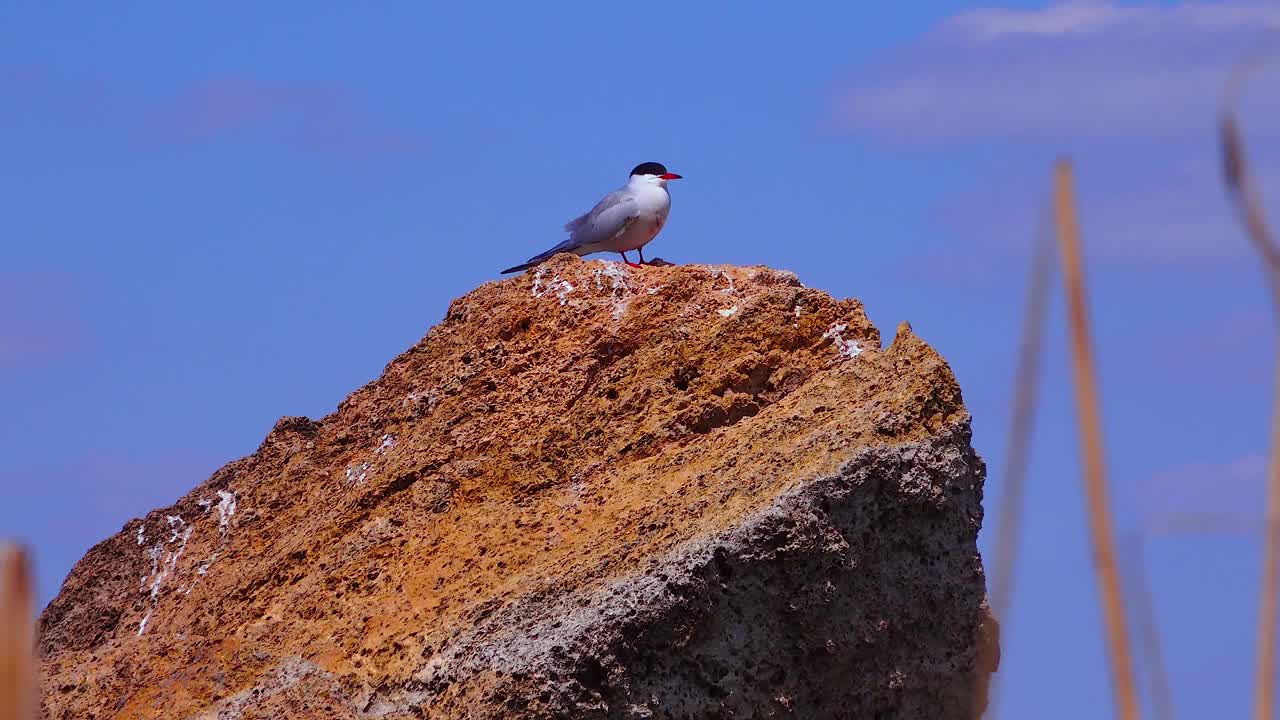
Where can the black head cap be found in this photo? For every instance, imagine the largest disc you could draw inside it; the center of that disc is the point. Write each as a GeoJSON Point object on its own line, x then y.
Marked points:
{"type": "Point", "coordinates": [649, 168]}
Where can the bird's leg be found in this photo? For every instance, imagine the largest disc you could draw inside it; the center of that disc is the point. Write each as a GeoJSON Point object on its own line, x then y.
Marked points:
{"type": "Point", "coordinates": [628, 262]}
{"type": "Point", "coordinates": [641, 251]}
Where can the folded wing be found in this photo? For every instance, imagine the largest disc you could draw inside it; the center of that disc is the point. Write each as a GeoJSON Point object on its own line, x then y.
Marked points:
{"type": "Point", "coordinates": [594, 228]}
{"type": "Point", "coordinates": [609, 218]}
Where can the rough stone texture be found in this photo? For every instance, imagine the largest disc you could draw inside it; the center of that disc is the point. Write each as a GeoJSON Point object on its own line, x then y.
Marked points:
{"type": "Point", "coordinates": [590, 492]}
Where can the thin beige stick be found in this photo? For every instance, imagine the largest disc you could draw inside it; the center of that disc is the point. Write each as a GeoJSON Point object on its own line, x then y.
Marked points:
{"type": "Point", "coordinates": [17, 640]}
{"type": "Point", "coordinates": [1146, 626]}
{"type": "Point", "coordinates": [1265, 678]}
{"type": "Point", "coordinates": [1021, 422]}
{"type": "Point", "coordinates": [1248, 201]}
{"type": "Point", "coordinates": [1090, 422]}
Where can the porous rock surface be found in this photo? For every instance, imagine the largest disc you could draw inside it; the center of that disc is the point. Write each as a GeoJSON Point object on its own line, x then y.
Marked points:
{"type": "Point", "coordinates": [591, 491]}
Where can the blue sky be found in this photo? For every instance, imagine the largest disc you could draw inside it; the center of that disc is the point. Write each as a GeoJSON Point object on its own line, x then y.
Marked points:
{"type": "Point", "coordinates": [214, 217]}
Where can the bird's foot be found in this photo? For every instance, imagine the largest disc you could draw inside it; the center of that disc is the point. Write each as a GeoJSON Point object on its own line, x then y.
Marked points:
{"type": "Point", "coordinates": [658, 262]}
{"type": "Point", "coordinates": [631, 264]}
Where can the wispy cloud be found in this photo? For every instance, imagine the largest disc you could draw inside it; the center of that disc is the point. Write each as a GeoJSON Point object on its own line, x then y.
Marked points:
{"type": "Point", "coordinates": [1206, 498]}
{"type": "Point", "coordinates": [41, 319]}
{"type": "Point", "coordinates": [318, 118]}
{"type": "Point", "coordinates": [1074, 70]}
{"type": "Point", "coordinates": [1094, 16]}
{"type": "Point", "coordinates": [1131, 91]}
{"type": "Point", "coordinates": [321, 118]}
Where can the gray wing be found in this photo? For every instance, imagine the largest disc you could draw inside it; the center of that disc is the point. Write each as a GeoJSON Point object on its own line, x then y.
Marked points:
{"type": "Point", "coordinates": [608, 219]}
{"type": "Point", "coordinates": [603, 222]}
{"type": "Point", "coordinates": [605, 203]}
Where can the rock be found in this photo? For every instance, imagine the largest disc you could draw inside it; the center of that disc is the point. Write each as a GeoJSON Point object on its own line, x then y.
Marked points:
{"type": "Point", "coordinates": [590, 492]}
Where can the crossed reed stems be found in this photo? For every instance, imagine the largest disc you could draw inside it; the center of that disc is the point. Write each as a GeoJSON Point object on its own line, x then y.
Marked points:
{"type": "Point", "coordinates": [1247, 201]}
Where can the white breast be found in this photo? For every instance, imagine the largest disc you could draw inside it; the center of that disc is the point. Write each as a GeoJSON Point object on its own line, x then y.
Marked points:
{"type": "Point", "coordinates": [653, 202]}
{"type": "Point", "coordinates": [651, 207]}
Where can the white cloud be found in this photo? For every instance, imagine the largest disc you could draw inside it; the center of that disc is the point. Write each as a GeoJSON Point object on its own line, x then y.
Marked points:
{"type": "Point", "coordinates": [1132, 92]}
{"type": "Point", "coordinates": [1091, 16]}
{"type": "Point", "coordinates": [1207, 498]}
{"type": "Point", "coordinates": [1076, 70]}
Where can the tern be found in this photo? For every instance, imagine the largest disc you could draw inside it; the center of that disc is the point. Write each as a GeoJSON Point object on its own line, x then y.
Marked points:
{"type": "Point", "coordinates": [624, 220]}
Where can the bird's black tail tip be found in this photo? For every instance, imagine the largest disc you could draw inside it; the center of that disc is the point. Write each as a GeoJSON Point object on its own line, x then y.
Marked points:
{"type": "Point", "coordinates": [515, 269]}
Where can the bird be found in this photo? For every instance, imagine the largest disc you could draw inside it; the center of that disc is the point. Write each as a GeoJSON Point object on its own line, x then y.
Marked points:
{"type": "Point", "coordinates": [624, 220]}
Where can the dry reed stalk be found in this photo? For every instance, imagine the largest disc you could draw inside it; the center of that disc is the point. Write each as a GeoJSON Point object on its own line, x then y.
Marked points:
{"type": "Point", "coordinates": [1021, 420]}
{"type": "Point", "coordinates": [1265, 678]}
{"type": "Point", "coordinates": [17, 639]}
{"type": "Point", "coordinates": [1147, 628]}
{"type": "Point", "coordinates": [1089, 419]}
{"type": "Point", "coordinates": [1248, 201]}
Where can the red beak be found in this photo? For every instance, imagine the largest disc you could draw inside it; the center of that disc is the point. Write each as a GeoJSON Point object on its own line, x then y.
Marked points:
{"type": "Point", "coordinates": [669, 176]}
